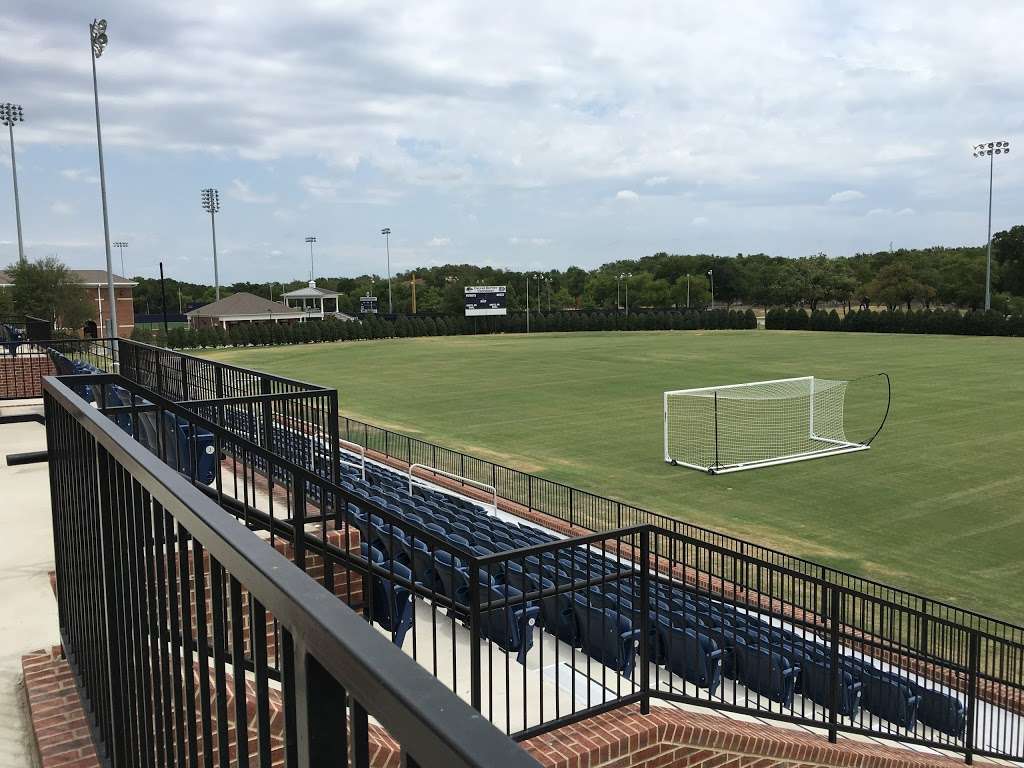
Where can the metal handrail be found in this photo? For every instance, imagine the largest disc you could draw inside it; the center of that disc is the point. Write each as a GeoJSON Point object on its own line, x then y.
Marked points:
{"type": "Point", "coordinates": [348, 445]}
{"type": "Point", "coordinates": [452, 476]}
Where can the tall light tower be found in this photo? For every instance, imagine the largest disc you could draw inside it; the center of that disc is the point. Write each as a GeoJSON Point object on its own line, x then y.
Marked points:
{"type": "Point", "coordinates": [624, 277]}
{"type": "Point", "coordinates": [990, 149]}
{"type": "Point", "coordinates": [211, 204]}
{"type": "Point", "coordinates": [9, 115]}
{"type": "Point", "coordinates": [711, 277]}
{"type": "Point", "coordinates": [387, 244]}
{"type": "Point", "coordinates": [98, 40]}
{"type": "Point", "coordinates": [121, 245]}
{"type": "Point", "coordinates": [311, 239]}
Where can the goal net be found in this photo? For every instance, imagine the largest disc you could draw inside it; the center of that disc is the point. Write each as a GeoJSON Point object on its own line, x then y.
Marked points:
{"type": "Point", "coordinates": [758, 424]}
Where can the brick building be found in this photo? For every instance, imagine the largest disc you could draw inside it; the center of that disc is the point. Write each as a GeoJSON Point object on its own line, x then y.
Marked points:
{"type": "Point", "coordinates": [94, 282]}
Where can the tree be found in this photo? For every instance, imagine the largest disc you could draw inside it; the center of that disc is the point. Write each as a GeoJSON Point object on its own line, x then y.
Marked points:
{"type": "Point", "coordinates": [896, 284]}
{"type": "Point", "coordinates": [1008, 252]}
{"type": "Point", "coordinates": [45, 288]}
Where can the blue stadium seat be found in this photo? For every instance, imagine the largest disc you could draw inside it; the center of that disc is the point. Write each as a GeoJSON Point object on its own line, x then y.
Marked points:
{"type": "Point", "coordinates": [691, 655]}
{"type": "Point", "coordinates": [767, 672]}
{"type": "Point", "coordinates": [391, 604]}
{"type": "Point", "coordinates": [606, 636]}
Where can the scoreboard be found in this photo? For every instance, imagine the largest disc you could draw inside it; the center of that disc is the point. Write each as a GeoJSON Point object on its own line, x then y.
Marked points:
{"type": "Point", "coordinates": [368, 305]}
{"type": "Point", "coordinates": [485, 300]}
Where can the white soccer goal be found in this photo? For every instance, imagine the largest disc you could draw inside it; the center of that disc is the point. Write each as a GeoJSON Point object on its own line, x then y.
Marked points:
{"type": "Point", "coordinates": [758, 424]}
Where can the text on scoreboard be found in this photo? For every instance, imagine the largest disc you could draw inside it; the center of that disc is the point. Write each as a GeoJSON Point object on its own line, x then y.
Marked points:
{"type": "Point", "coordinates": [485, 300]}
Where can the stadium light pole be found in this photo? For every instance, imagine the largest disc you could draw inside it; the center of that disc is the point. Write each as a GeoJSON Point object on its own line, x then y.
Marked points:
{"type": "Point", "coordinates": [9, 115]}
{"type": "Point", "coordinates": [711, 277]}
{"type": "Point", "coordinates": [625, 278]}
{"type": "Point", "coordinates": [687, 290]}
{"type": "Point", "coordinates": [990, 149]}
{"type": "Point", "coordinates": [211, 204]}
{"type": "Point", "coordinates": [311, 239]}
{"type": "Point", "coordinates": [98, 42]}
{"type": "Point", "coordinates": [121, 245]}
{"type": "Point", "coordinates": [387, 245]}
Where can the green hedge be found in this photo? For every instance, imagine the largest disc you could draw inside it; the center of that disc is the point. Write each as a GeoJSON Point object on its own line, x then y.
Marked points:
{"type": "Point", "coordinates": [989, 323]}
{"type": "Point", "coordinates": [372, 327]}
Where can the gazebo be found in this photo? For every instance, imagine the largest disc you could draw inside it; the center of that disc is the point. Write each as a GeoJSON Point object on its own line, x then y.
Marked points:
{"type": "Point", "coordinates": [313, 301]}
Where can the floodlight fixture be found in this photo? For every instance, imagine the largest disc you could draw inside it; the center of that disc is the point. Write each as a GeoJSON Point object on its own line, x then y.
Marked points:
{"type": "Point", "coordinates": [990, 149]}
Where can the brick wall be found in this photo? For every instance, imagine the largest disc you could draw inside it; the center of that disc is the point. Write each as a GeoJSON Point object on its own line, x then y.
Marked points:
{"type": "Point", "coordinates": [21, 375]}
{"type": "Point", "coordinates": [667, 738]}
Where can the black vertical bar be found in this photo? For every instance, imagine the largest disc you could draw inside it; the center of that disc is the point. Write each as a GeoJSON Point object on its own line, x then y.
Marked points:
{"type": "Point", "coordinates": [111, 620]}
{"type": "Point", "coordinates": [288, 689]}
{"type": "Point", "coordinates": [474, 635]}
{"type": "Point", "coordinates": [238, 673]}
{"type": "Point", "coordinates": [186, 634]}
{"type": "Point", "coordinates": [835, 619]}
{"type": "Point", "coordinates": [219, 641]}
{"type": "Point", "coordinates": [202, 642]}
{"type": "Point", "coordinates": [360, 736]}
{"type": "Point", "coordinates": [321, 731]}
{"type": "Point", "coordinates": [645, 627]}
{"type": "Point", "coordinates": [974, 663]}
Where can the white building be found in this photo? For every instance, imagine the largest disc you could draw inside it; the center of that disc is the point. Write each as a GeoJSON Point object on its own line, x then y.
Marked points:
{"type": "Point", "coordinates": [312, 301]}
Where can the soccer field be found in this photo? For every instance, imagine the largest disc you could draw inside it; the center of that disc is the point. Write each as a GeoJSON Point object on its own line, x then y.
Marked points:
{"type": "Point", "coordinates": [936, 506]}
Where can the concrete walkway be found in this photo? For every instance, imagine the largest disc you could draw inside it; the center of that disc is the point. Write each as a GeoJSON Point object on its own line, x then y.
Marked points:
{"type": "Point", "coordinates": [28, 620]}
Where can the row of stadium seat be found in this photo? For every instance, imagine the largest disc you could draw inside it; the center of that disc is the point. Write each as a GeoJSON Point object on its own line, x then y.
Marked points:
{"type": "Point", "coordinates": [180, 445]}
{"type": "Point", "coordinates": [700, 639]}
{"type": "Point", "coordinates": [696, 637]}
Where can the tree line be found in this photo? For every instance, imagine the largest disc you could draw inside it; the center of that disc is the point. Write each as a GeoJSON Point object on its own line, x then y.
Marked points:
{"type": "Point", "coordinates": [922, 277]}
{"type": "Point", "coordinates": [977, 323]}
{"type": "Point", "coordinates": [374, 327]}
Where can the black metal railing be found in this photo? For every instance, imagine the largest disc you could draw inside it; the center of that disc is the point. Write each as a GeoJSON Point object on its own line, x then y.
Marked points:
{"type": "Point", "coordinates": [162, 601]}
{"type": "Point", "coordinates": [585, 510]}
{"type": "Point", "coordinates": [537, 632]}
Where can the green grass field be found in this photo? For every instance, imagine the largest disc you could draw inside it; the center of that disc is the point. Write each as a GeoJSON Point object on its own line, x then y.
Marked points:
{"type": "Point", "coordinates": [936, 506]}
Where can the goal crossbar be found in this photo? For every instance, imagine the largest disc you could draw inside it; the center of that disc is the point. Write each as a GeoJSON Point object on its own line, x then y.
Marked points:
{"type": "Point", "coordinates": [734, 427]}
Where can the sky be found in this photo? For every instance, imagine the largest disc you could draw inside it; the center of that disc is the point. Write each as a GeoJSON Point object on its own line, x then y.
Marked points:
{"type": "Point", "coordinates": [524, 135]}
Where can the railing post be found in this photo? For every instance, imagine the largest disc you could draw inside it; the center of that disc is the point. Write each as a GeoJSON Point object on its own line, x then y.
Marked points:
{"type": "Point", "coordinates": [974, 662]}
{"type": "Point", "coordinates": [321, 730]}
{"type": "Point", "coordinates": [111, 594]}
{"type": "Point", "coordinates": [334, 435]}
{"type": "Point", "coordinates": [645, 620]}
{"type": "Point", "coordinates": [572, 510]}
{"type": "Point", "coordinates": [922, 640]}
{"type": "Point", "coordinates": [835, 613]}
{"type": "Point", "coordinates": [298, 521]}
{"type": "Point", "coordinates": [184, 377]}
{"type": "Point", "coordinates": [268, 417]}
{"type": "Point", "coordinates": [474, 635]}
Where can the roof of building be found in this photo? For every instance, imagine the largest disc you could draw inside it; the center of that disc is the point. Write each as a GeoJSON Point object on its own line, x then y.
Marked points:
{"type": "Point", "coordinates": [88, 277]}
{"type": "Point", "coordinates": [244, 304]}
{"type": "Point", "coordinates": [309, 292]}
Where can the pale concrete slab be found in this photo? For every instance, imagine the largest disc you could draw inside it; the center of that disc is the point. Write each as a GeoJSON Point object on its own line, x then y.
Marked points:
{"type": "Point", "coordinates": [29, 617]}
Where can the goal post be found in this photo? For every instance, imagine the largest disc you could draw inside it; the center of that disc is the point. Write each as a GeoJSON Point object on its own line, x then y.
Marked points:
{"type": "Point", "coordinates": [756, 424]}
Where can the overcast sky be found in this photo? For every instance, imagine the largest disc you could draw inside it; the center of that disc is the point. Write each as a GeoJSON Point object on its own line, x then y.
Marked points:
{"type": "Point", "coordinates": [516, 134]}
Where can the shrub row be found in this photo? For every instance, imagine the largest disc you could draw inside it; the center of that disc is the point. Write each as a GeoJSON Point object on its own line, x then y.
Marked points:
{"type": "Point", "coordinates": [373, 327]}
{"type": "Point", "coordinates": [989, 323]}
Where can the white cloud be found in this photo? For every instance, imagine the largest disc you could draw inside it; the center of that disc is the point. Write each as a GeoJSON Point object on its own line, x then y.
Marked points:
{"type": "Point", "coordinates": [240, 190]}
{"type": "Point", "coordinates": [80, 174]}
{"type": "Point", "coordinates": [656, 181]}
{"type": "Point", "coordinates": [626, 194]}
{"type": "Point", "coordinates": [439, 242]}
{"type": "Point", "coordinates": [61, 208]}
{"type": "Point", "coordinates": [537, 241]}
{"type": "Point", "coordinates": [320, 187]}
{"type": "Point", "coordinates": [891, 212]}
{"type": "Point", "coordinates": [846, 196]}
{"type": "Point", "coordinates": [699, 221]}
